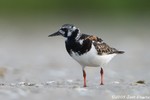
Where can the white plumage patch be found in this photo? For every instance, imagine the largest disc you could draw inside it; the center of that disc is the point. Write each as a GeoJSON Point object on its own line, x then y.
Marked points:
{"type": "Point", "coordinates": [81, 41]}
{"type": "Point", "coordinates": [91, 58]}
{"type": "Point", "coordinates": [74, 28]}
{"type": "Point", "coordinates": [69, 34]}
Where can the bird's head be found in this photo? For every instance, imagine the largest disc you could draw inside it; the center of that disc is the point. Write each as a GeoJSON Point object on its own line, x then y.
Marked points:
{"type": "Point", "coordinates": [67, 30]}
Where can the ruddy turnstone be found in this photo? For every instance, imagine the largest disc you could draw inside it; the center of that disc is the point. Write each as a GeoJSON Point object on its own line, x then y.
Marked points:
{"type": "Point", "coordinates": [87, 50]}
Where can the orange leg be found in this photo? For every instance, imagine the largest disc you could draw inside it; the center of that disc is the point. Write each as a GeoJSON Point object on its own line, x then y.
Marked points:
{"type": "Point", "coordinates": [84, 76]}
{"type": "Point", "coordinates": [102, 77]}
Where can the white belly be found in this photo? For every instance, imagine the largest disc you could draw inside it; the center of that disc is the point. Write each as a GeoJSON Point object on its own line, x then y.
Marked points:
{"type": "Point", "coordinates": [92, 59]}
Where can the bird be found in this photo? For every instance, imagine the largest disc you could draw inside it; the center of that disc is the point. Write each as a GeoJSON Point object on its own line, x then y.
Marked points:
{"type": "Point", "coordinates": [87, 50]}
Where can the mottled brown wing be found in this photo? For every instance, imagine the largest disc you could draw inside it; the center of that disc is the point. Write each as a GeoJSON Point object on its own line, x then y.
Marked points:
{"type": "Point", "coordinates": [102, 48]}
{"type": "Point", "coordinates": [94, 38]}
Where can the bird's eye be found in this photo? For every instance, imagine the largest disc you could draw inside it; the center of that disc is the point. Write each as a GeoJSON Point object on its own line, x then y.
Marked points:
{"type": "Point", "coordinates": [64, 29]}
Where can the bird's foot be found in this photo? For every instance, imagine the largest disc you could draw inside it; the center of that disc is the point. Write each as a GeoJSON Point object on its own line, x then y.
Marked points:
{"type": "Point", "coordinates": [84, 86]}
{"type": "Point", "coordinates": [101, 83]}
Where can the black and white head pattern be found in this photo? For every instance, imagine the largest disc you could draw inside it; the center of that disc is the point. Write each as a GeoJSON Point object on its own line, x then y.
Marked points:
{"type": "Point", "coordinates": [69, 30]}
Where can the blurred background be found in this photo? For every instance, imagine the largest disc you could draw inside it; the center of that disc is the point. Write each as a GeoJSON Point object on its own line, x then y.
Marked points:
{"type": "Point", "coordinates": [28, 54]}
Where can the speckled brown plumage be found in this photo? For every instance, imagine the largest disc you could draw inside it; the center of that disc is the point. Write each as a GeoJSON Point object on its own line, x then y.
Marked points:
{"type": "Point", "coordinates": [94, 38]}
{"type": "Point", "coordinates": [101, 47]}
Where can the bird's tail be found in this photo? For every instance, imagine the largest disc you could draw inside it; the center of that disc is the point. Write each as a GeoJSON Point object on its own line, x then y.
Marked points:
{"type": "Point", "coordinates": [119, 52]}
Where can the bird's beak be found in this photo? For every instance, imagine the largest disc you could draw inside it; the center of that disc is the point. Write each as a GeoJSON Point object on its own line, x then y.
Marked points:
{"type": "Point", "coordinates": [55, 34]}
